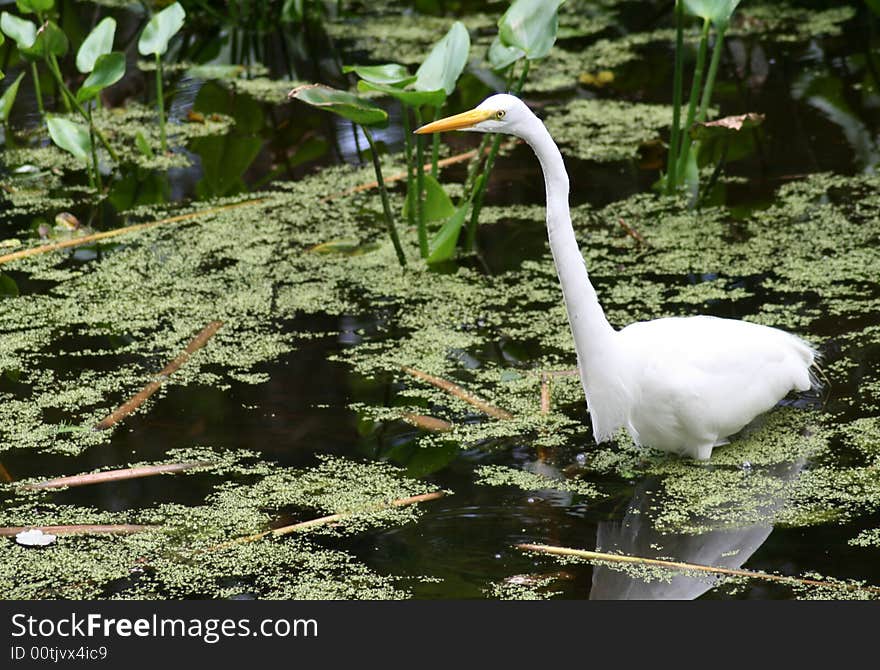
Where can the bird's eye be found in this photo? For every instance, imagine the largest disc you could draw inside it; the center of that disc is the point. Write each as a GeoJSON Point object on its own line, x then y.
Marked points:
{"type": "Point", "coordinates": [500, 114]}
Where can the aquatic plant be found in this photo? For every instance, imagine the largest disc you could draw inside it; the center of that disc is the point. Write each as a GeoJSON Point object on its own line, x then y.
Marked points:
{"type": "Point", "coordinates": [94, 57]}
{"type": "Point", "coordinates": [154, 42]}
{"type": "Point", "coordinates": [681, 164]}
{"type": "Point", "coordinates": [434, 80]}
{"type": "Point", "coordinates": [6, 102]}
{"type": "Point", "coordinates": [365, 114]}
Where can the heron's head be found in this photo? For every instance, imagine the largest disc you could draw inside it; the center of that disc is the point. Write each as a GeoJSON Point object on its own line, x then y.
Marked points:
{"type": "Point", "coordinates": [500, 113]}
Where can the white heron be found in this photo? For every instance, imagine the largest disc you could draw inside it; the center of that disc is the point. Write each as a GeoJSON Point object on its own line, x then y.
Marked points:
{"type": "Point", "coordinates": [679, 384]}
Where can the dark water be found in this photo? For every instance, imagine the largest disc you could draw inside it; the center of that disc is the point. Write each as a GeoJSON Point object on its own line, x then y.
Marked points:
{"type": "Point", "coordinates": [466, 540]}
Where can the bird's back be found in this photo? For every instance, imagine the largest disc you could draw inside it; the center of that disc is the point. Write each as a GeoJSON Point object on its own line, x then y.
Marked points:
{"type": "Point", "coordinates": [697, 380]}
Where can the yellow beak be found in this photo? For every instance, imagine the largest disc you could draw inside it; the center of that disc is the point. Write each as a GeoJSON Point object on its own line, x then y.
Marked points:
{"type": "Point", "coordinates": [457, 122]}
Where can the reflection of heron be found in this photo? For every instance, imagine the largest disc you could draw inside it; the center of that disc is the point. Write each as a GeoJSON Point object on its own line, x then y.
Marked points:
{"type": "Point", "coordinates": [635, 535]}
{"type": "Point", "coordinates": [682, 385]}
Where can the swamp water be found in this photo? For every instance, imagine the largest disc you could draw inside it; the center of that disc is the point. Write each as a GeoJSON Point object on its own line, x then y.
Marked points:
{"type": "Point", "coordinates": [297, 401]}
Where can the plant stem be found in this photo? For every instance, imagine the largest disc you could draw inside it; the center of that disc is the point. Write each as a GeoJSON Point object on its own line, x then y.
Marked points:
{"type": "Point", "coordinates": [710, 77]}
{"type": "Point", "coordinates": [480, 187]}
{"type": "Point", "coordinates": [37, 92]}
{"type": "Point", "coordinates": [676, 97]}
{"type": "Point", "coordinates": [472, 168]}
{"type": "Point", "coordinates": [389, 217]}
{"type": "Point", "coordinates": [435, 148]}
{"type": "Point", "coordinates": [56, 73]}
{"type": "Point", "coordinates": [420, 189]}
{"type": "Point", "coordinates": [692, 104]}
{"type": "Point", "coordinates": [160, 103]}
{"type": "Point", "coordinates": [410, 187]}
{"type": "Point", "coordinates": [357, 143]}
{"type": "Point", "coordinates": [94, 151]}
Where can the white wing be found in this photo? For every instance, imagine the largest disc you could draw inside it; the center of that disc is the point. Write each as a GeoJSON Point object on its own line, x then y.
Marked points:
{"type": "Point", "coordinates": [700, 379]}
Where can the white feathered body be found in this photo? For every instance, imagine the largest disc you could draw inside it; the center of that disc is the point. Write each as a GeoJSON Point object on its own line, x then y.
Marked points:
{"type": "Point", "coordinates": [683, 385]}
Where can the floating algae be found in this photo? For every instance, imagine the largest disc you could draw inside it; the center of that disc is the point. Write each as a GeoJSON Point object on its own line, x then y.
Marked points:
{"type": "Point", "coordinates": [122, 125]}
{"type": "Point", "coordinates": [499, 475]}
{"type": "Point", "coordinates": [188, 554]}
{"type": "Point", "coordinates": [606, 130]}
{"type": "Point", "coordinates": [523, 587]}
{"type": "Point", "coordinates": [250, 267]}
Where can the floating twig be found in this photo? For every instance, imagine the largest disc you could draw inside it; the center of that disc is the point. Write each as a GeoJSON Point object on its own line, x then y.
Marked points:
{"type": "Point", "coordinates": [136, 401]}
{"type": "Point", "coordinates": [545, 393]}
{"type": "Point", "coordinates": [117, 475]}
{"type": "Point", "coordinates": [79, 529]}
{"type": "Point", "coordinates": [430, 423]}
{"type": "Point", "coordinates": [632, 232]}
{"type": "Point", "coordinates": [695, 567]}
{"type": "Point", "coordinates": [97, 237]}
{"type": "Point", "coordinates": [546, 387]}
{"type": "Point", "coordinates": [5, 476]}
{"type": "Point", "coordinates": [459, 392]}
{"type": "Point", "coordinates": [323, 521]}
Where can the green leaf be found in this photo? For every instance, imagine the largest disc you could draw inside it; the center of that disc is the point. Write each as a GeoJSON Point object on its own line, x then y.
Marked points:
{"type": "Point", "coordinates": [717, 11]}
{"type": "Point", "coordinates": [224, 161]}
{"type": "Point", "coordinates": [97, 43]}
{"type": "Point", "coordinates": [407, 96]}
{"type": "Point", "coordinates": [502, 56]}
{"type": "Point", "coordinates": [50, 40]}
{"type": "Point", "coordinates": [34, 6]}
{"type": "Point", "coordinates": [109, 68]}
{"type": "Point", "coordinates": [24, 32]}
{"type": "Point", "coordinates": [530, 25]}
{"type": "Point", "coordinates": [874, 6]}
{"type": "Point", "coordinates": [142, 145]}
{"type": "Point", "coordinates": [159, 31]}
{"type": "Point", "coordinates": [391, 73]}
{"type": "Point", "coordinates": [344, 247]}
{"type": "Point", "coordinates": [293, 11]}
{"type": "Point", "coordinates": [8, 287]}
{"type": "Point", "coordinates": [70, 136]}
{"type": "Point", "coordinates": [442, 245]}
{"type": "Point", "coordinates": [445, 62]}
{"type": "Point", "coordinates": [343, 103]}
{"type": "Point", "coordinates": [8, 98]}
{"type": "Point", "coordinates": [437, 204]}
{"type": "Point", "coordinates": [421, 461]}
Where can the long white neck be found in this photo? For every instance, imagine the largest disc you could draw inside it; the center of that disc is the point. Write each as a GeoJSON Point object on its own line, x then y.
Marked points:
{"type": "Point", "coordinates": [594, 339]}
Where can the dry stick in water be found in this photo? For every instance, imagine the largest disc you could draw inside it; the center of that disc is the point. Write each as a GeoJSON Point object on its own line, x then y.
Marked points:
{"type": "Point", "coordinates": [632, 232]}
{"type": "Point", "coordinates": [5, 476]}
{"type": "Point", "coordinates": [459, 392]}
{"type": "Point", "coordinates": [136, 401]}
{"type": "Point", "coordinates": [675, 565]}
{"type": "Point", "coordinates": [545, 393]}
{"type": "Point", "coordinates": [97, 237]}
{"type": "Point", "coordinates": [545, 385]}
{"type": "Point", "coordinates": [323, 521]}
{"type": "Point", "coordinates": [431, 423]}
{"type": "Point", "coordinates": [82, 529]}
{"type": "Point", "coordinates": [117, 475]}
